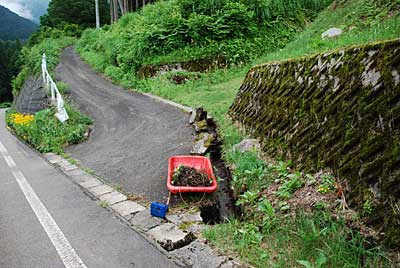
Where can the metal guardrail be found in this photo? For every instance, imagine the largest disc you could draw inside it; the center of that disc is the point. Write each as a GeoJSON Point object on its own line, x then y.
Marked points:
{"type": "Point", "coordinates": [48, 82]}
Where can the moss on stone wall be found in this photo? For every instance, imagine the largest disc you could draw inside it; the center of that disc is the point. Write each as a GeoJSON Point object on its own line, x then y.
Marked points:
{"type": "Point", "coordinates": [197, 65]}
{"type": "Point", "coordinates": [340, 110]}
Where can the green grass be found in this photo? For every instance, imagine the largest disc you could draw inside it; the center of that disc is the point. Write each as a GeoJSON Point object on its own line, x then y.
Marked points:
{"type": "Point", "coordinates": [294, 243]}
{"type": "Point", "coordinates": [362, 21]}
{"type": "Point", "coordinates": [31, 58]}
{"type": "Point", "coordinates": [267, 236]}
{"type": "Point", "coordinates": [301, 241]}
{"type": "Point", "coordinates": [5, 105]}
{"type": "Point", "coordinates": [214, 92]}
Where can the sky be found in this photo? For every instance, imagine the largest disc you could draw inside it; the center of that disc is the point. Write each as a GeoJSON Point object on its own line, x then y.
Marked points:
{"type": "Point", "coordinates": [25, 8]}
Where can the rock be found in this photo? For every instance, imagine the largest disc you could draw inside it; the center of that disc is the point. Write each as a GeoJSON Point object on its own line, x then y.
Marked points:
{"type": "Point", "coordinates": [203, 143]}
{"type": "Point", "coordinates": [246, 145]}
{"type": "Point", "coordinates": [87, 132]}
{"type": "Point", "coordinates": [197, 114]}
{"type": "Point", "coordinates": [184, 218]}
{"type": "Point", "coordinates": [69, 167]}
{"type": "Point", "coordinates": [170, 237]}
{"type": "Point", "coordinates": [178, 79]}
{"type": "Point", "coordinates": [201, 126]}
{"type": "Point", "coordinates": [332, 32]}
{"type": "Point", "coordinates": [195, 228]}
{"type": "Point", "coordinates": [32, 97]}
{"type": "Point", "coordinates": [144, 221]}
{"type": "Point", "coordinates": [199, 255]}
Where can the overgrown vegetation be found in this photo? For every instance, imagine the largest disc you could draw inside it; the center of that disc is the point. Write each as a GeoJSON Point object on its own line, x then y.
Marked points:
{"type": "Point", "coordinates": [44, 132]}
{"type": "Point", "coordinates": [281, 234]}
{"type": "Point", "coordinates": [362, 21]}
{"type": "Point", "coordinates": [190, 29]}
{"type": "Point", "coordinates": [310, 241]}
{"type": "Point", "coordinates": [50, 41]}
{"type": "Point", "coordinates": [281, 229]}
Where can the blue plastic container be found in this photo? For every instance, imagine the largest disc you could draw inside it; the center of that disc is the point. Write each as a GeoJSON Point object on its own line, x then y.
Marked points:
{"type": "Point", "coordinates": [158, 210]}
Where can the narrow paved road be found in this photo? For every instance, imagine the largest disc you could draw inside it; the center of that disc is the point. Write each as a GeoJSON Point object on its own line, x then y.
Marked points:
{"type": "Point", "coordinates": [133, 135]}
{"type": "Point", "coordinates": [47, 221]}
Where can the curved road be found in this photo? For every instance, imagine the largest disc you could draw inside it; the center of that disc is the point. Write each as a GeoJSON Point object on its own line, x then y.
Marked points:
{"type": "Point", "coordinates": [133, 135]}
{"type": "Point", "coordinates": [47, 221]}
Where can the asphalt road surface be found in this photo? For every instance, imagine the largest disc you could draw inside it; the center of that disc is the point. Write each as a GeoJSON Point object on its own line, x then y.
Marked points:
{"type": "Point", "coordinates": [46, 221]}
{"type": "Point", "coordinates": [133, 135]}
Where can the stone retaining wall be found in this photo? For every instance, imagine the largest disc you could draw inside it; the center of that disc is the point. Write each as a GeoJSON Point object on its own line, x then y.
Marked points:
{"type": "Point", "coordinates": [196, 65]}
{"type": "Point", "coordinates": [340, 110]}
{"type": "Point", "coordinates": [32, 97]}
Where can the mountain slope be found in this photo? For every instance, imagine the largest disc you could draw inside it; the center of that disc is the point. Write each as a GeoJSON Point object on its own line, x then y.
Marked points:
{"type": "Point", "coordinates": [13, 26]}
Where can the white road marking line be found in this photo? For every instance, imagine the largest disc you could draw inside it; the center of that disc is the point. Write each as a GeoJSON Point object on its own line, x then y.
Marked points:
{"type": "Point", "coordinates": [66, 252]}
{"type": "Point", "coordinates": [3, 150]}
{"type": "Point", "coordinates": [10, 161]}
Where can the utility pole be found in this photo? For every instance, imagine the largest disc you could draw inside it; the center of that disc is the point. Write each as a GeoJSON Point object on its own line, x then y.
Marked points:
{"type": "Point", "coordinates": [97, 14]}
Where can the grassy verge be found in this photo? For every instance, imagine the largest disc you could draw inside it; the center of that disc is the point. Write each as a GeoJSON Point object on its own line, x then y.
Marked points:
{"type": "Point", "coordinates": [45, 133]}
{"type": "Point", "coordinates": [303, 241]}
{"type": "Point", "coordinates": [362, 21]}
{"type": "Point", "coordinates": [291, 219]}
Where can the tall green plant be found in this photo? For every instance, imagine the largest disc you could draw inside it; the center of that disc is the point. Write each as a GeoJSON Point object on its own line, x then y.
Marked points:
{"type": "Point", "coordinates": [234, 29]}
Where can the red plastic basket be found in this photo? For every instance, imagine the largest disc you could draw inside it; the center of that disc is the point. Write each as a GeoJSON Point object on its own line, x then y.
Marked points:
{"type": "Point", "coordinates": [197, 162]}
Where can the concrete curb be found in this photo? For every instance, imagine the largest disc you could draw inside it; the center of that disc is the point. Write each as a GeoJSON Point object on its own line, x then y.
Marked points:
{"type": "Point", "coordinates": [181, 246]}
{"type": "Point", "coordinates": [177, 105]}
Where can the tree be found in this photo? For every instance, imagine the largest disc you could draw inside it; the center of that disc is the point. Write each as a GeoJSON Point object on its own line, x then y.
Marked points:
{"type": "Point", "coordinates": [81, 12]}
{"type": "Point", "coordinates": [8, 67]}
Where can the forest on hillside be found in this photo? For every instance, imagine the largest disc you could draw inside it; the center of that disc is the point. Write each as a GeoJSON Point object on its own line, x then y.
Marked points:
{"type": "Point", "coordinates": [13, 28]}
{"type": "Point", "coordinates": [9, 51]}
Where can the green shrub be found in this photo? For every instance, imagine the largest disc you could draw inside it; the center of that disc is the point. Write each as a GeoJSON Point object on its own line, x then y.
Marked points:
{"type": "Point", "coordinates": [5, 105]}
{"type": "Point", "coordinates": [31, 58]}
{"type": "Point", "coordinates": [196, 29]}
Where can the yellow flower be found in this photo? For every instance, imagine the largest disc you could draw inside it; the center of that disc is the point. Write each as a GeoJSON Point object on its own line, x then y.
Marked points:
{"type": "Point", "coordinates": [323, 189]}
{"type": "Point", "coordinates": [21, 119]}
